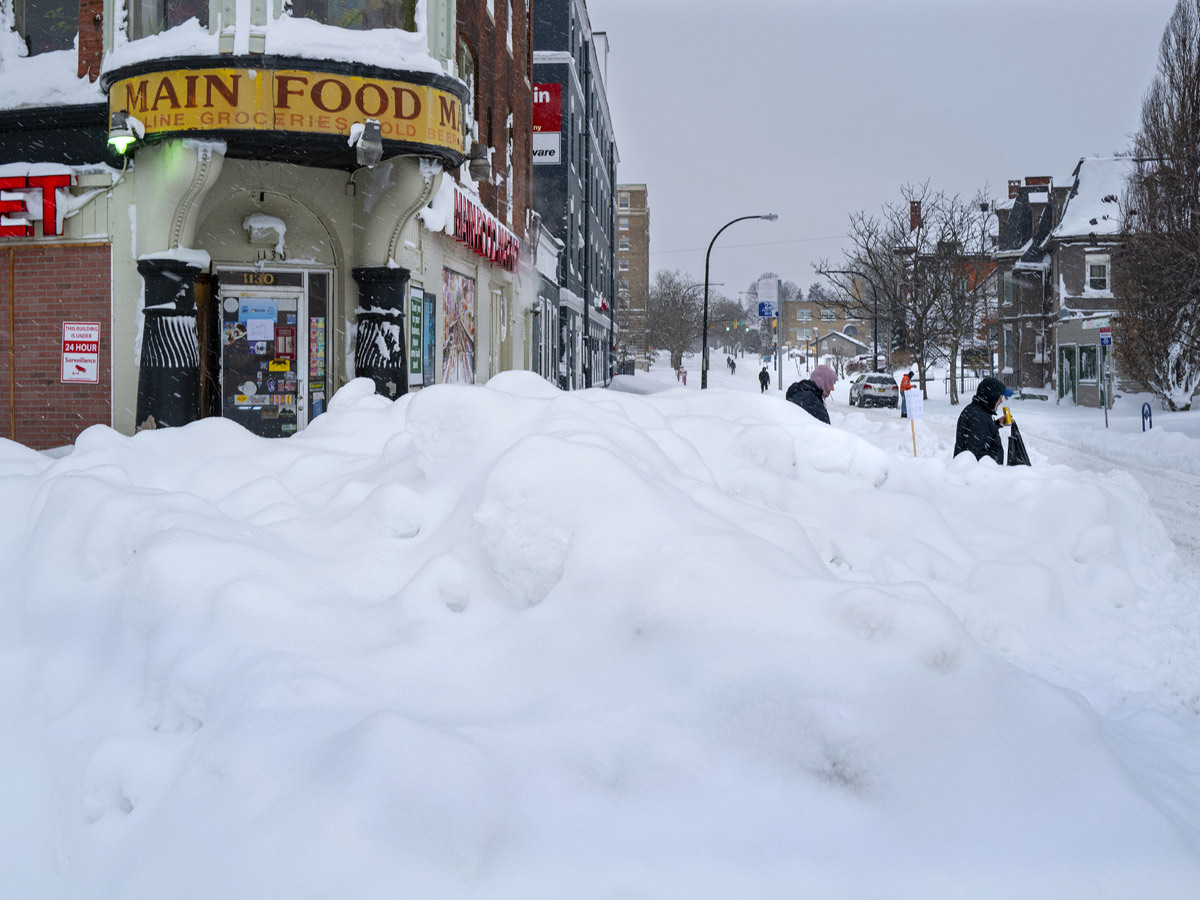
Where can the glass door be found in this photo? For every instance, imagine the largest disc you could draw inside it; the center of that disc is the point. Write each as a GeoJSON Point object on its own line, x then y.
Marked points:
{"type": "Point", "coordinates": [264, 379]}
{"type": "Point", "coordinates": [1066, 373]}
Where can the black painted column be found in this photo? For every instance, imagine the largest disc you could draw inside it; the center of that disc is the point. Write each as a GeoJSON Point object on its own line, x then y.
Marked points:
{"type": "Point", "coordinates": [169, 378]}
{"type": "Point", "coordinates": [380, 339]}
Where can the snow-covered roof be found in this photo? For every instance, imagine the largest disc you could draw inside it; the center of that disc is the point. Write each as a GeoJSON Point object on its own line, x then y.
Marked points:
{"type": "Point", "coordinates": [1087, 212]}
{"type": "Point", "coordinates": [843, 336]}
{"type": "Point", "coordinates": [389, 48]}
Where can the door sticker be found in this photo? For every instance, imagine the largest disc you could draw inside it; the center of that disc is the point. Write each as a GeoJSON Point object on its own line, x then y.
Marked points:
{"type": "Point", "coordinates": [285, 342]}
{"type": "Point", "coordinates": [260, 329]}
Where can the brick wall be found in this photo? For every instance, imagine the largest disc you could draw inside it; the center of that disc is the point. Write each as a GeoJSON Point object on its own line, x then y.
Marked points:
{"type": "Point", "coordinates": [52, 284]}
{"type": "Point", "coordinates": [502, 86]}
{"type": "Point", "coordinates": [91, 37]}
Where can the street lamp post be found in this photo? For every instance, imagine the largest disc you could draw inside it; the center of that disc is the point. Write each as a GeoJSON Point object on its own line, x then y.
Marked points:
{"type": "Point", "coordinates": [770, 217]}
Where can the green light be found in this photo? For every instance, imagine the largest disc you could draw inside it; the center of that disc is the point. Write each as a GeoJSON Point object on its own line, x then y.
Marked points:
{"type": "Point", "coordinates": [121, 142]}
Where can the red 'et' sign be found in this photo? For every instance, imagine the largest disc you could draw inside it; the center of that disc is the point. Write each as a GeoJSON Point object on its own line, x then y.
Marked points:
{"type": "Point", "coordinates": [15, 208]}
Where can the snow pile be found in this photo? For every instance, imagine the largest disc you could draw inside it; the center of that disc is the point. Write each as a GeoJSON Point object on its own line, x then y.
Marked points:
{"type": "Point", "coordinates": [46, 79]}
{"type": "Point", "coordinates": [504, 641]}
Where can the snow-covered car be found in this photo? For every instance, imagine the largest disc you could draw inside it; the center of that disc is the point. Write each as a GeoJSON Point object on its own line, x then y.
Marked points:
{"type": "Point", "coordinates": [875, 389]}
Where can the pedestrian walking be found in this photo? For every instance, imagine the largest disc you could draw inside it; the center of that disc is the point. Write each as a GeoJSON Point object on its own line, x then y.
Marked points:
{"type": "Point", "coordinates": [733, 367]}
{"type": "Point", "coordinates": [764, 380]}
{"type": "Point", "coordinates": [810, 393]}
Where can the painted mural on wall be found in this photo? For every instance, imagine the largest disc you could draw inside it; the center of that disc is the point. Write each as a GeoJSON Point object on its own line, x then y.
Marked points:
{"type": "Point", "coordinates": [458, 328]}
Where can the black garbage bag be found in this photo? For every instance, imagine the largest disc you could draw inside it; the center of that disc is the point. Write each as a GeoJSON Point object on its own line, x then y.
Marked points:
{"type": "Point", "coordinates": [1017, 454]}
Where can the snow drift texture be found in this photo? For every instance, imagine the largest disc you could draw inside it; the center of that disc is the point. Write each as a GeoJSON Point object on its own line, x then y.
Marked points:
{"type": "Point", "coordinates": [510, 642]}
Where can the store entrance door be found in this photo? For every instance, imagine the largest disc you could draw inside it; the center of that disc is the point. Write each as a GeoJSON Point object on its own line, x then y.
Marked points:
{"type": "Point", "coordinates": [273, 348]}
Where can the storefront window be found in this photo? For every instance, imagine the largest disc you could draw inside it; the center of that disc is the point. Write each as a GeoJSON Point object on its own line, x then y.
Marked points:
{"type": "Point", "coordinates": [359, 14]}
{"type": "Point", "coordinates": [149, 17]}
{"type": "Point", "coordinates": [46, 25]}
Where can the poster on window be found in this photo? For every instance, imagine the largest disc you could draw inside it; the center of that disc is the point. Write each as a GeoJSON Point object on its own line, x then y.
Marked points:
{"type": "Point", "coordinates": [458, 328]}
{"type": "Point", "coordinates": [429, 338]}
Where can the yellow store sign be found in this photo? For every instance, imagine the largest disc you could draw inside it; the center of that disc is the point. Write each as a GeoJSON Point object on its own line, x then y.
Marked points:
{"type": "Point", "coordinates": [289, 100]}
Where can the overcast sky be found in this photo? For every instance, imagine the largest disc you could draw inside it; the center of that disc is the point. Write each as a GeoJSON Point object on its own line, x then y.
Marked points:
{"type": "Point", "coordinates": [814, 108]}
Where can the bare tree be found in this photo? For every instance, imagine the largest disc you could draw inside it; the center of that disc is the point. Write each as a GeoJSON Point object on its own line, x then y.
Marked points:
{"type": "Point", "coordinates": [674, 314]}
{"type": "Point", "coordinates": [1158, 272]}
{"type": "Point", "coordinates": [916, 268]}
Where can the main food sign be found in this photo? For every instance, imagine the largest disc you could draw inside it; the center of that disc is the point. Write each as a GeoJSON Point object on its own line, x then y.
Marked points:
{"type": "Point", "coordinates": [288, 100]}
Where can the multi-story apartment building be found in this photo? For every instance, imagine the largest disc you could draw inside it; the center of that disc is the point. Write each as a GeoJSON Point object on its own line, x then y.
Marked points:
{"type": "Point", "coordinates": [1082, 248]}
{"type": "Point", "coordinates": [633, 275]}
{"type": "Point", "coordinates": [574, 178]}
{"type": "Point", "coordinates": [1025, 288]}
{"type": "Point", "coordinates": [807, 325]}
{"type": "Point", "coordinates": [245, 211]}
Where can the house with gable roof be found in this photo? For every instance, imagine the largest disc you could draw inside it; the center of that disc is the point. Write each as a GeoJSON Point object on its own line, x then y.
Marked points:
{"type": "Point", "coordinates": [1023, 263]}
{"type": "Point", "coordinates": [1082, 248]}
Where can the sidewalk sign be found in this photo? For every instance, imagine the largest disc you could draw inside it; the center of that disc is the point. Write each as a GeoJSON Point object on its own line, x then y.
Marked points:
{"type": "Point", "coordinates": [915, 401]}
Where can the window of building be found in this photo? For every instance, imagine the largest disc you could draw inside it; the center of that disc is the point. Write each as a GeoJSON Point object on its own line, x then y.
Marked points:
{"type": "Point", "coordinates": [850, 331]}
{"type": "Point", "coordinates": [1089, 370]}
{"type": "Point", "coordinates": [466, 71]}
{"type": "Point", "coordinates": [623, 201]}
{"type": "Point", "coordinates": [804, 334]}
{"type": "Point", "coordinates": [624, 244]}
{"type": "Point", "coordinates": [829, 315]}
{"type": "Point", "coordinates": [623, 223]}
{"type": "Point", "coordinates": [1010, 350]}
{"type": "Point", "coordinates": [48, 25]}
{"type": "Point", "coordinates": [624, 263]}
{"type": "Point", "coordinates": [1097, 274]}
{"type": "Point", "coordinates": [804, 315]}
{"type": "Point", "coordinates": [623, 283]}
{"type": "Point", "coordinates": [1008, 289]}
{"type": "Point", "coordinates": [356, 14]}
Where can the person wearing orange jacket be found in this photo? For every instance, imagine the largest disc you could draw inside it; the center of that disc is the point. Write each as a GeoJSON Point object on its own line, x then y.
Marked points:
{"type": "Point", "coordinates": [905, 385]}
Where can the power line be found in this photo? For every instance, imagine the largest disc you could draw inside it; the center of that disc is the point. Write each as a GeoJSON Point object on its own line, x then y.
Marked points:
{"type": "Point", "coordinates": [835, 237]}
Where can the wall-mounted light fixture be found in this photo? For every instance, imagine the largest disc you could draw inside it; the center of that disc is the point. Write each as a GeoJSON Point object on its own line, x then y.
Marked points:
{"type": "Point", "coordinates": [479, 166]}
{"type": "Point", "coordinates": [369, 147]}
{"type": "Point", "coordinates": [120, 133]}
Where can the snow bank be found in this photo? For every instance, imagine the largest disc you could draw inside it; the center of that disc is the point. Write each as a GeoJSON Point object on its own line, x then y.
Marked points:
{"type": "Point", "coordinates": [504, 641]}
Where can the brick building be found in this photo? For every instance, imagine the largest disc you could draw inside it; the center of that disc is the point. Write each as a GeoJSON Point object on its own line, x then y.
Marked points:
{"type": "Point", "coordinates": [495, 59]}
{"type": "Point", "coordinates": [633, 275]}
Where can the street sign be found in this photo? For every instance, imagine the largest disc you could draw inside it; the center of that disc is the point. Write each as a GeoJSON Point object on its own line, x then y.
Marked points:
{"type": "Point", "coordinates": [766, 310]}
{"type": "Point", "coordinates": [1105, 340]}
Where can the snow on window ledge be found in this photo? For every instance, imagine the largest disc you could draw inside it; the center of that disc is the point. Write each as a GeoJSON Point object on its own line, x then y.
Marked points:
{"type": "Point", "coordinates": [47, 79]}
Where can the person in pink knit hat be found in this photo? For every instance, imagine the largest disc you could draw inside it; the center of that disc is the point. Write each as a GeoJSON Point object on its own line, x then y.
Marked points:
{"type": "Point", "coordinates": [810, 393]}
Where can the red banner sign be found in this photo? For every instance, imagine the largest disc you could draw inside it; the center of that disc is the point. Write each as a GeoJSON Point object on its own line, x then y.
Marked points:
{"type": "Point", "coordinates": [483, 233]}
{"type": "Point", "coordinates": [15, 206]}
{"type": "Point", "coordinates": [547, 107]}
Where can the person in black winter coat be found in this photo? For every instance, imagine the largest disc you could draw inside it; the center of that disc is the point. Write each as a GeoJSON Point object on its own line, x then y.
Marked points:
{"type": "Point", "coordinates": [764, 380]}
{"type": "Point", "coordinates": [810, 393]}
{"type": "Point", "coordinates": [978, 431]}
